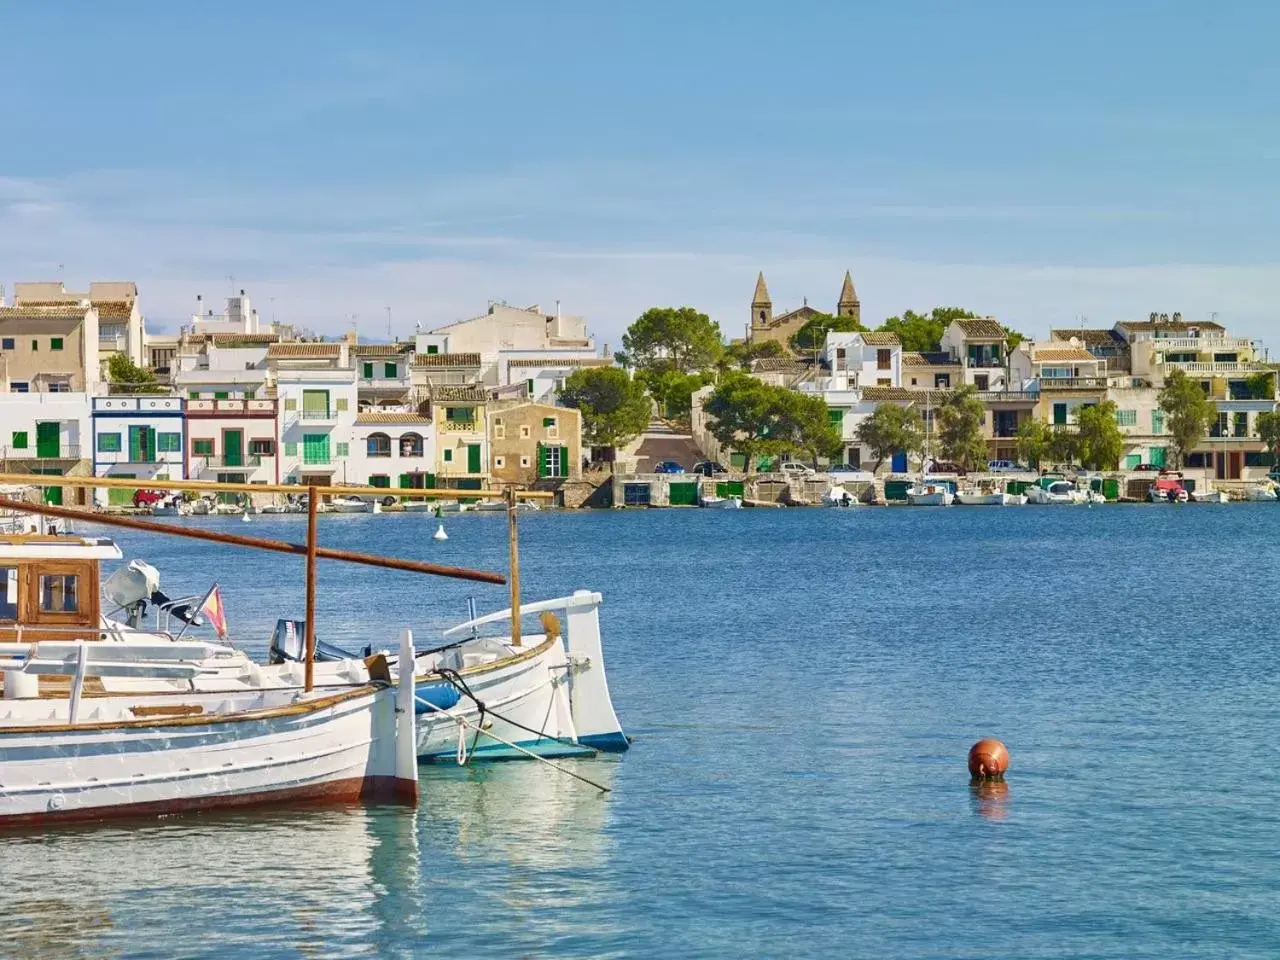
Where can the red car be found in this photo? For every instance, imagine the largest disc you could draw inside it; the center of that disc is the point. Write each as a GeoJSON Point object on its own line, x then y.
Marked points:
{"type": "Point", "coordinates": [146, 498]}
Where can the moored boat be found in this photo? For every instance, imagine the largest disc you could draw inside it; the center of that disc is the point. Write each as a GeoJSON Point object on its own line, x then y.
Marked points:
{"type": "Point", "coordinates": [1209, 496]}
{"type": "Point", "coordinates": [348, 505]}
{"type": "Point", "coordinates": [929, 495]}
{"type": "Point", "coordinates": [715, 502]}
{"type": "Point", "coordinates": [1167, 490]}
{"type": "Point", "coordinates": [988, 496]}
{"type": "Point", "coordinates": [1265, 491]}
{"type": "Point", "coordinates": [1053, 490]}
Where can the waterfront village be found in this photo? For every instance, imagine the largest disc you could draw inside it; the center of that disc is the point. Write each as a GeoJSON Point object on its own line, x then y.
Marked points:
{"type": "Point", "coordinates": [804, 403]}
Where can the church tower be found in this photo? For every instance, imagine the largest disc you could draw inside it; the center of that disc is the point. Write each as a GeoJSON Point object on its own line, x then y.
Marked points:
{"type": "Point", "coordinates": [761, 305]}
{"type": "Point", "coordinates": [849, 304]}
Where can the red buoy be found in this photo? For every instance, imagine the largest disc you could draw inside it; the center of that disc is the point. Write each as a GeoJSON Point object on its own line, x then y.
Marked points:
{"type": "Point", "coordinates": [988, 760]}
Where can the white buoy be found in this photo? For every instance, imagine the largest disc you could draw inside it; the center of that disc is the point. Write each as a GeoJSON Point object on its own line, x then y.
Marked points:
{"type": "Point", "coordinates": [244, 517]}
{"type": "Point", "coordinates": [440, 534]}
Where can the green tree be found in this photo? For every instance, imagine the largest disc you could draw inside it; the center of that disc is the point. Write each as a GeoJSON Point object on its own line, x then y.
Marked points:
{"type": "Point", "coordinates": [813, 334]}
{"type": "Point", "coordinates": [922, 333]}
{"type": "Point", "coordinates": [889, 430]}
{"type": "Point", "coordinates": [125, 376]}
{"type": "Point", "coordinates": [1034, 442]}
{"type": "Point", "coordinates": [960, 420]}
{"type": "Point", "coordinates": [807, 421]}
{"type": "Point", "coordinates": [1064, 446]}
{"type": "Point", "coordinates": [1261, 386]}
{"type": "Point", "coordinates": [680, 338]}
{"type": "Point", "coordinates": [751, 417]}
{"type": "Point", "coordinates": [1188, 413]}
{"type": "Point", "coordinates": [672, 390]}
{"type": "Point", "coordinates": [1011, 339]}
{"type": "Point", "coordinates": [739, 356]}
{"type": "Point", "coordinates": [615, 409]}
{"type": "Point", "coordinates": [1268, 427]}
{"type": "Point", "coordinates": [1100, 441]}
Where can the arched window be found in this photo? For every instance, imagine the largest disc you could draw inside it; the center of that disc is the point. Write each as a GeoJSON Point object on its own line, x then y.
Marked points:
{"type": "Point", "coordinates": [379, 445]}
{"type": "Point", "coordinates": [410, 445]}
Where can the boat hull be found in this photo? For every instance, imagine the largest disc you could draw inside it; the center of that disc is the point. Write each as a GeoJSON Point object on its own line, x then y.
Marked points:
{"type": "Point", "coordinates": [333, 748]}
{"type": "Point", "coordinates": [722, 503]}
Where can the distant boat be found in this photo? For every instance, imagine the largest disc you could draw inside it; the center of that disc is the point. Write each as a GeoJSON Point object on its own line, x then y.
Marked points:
{"type": "Point", "coordinates": [1167, 490]}
{"type": "Point", "coordinates": [1209, 496]}
{"type": "Point", "coordinates": [1264, 491]}
{"type": "Point", "coordinates": [989, 498]}
{"type": "Point", "coordinates": [499, 506]}
{"type": "Point", "coordinates": [839, 496]}
{"type": "Point", "coordinates": [722, 503]}
{"type": "Point", "coordinates": [929, 495]}
{"type": "Point", "coordinates": [349, 505]}
{"type": "Point", "coordinates": [1050, 490]}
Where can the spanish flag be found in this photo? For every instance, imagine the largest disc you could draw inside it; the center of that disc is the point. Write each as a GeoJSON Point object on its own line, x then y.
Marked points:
{"type": "Point", "coordinates": [216, 613]}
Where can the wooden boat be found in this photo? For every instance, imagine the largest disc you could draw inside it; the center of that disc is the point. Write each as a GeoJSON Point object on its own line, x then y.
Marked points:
{"type": "Point", "coordinates": [349, 505]}
{"type": "Point", "coordinates": [722, 503]}
{"type": "Point", "coordinates": [1209, 496]}
{"type": "Point", "coordinates": [929, 495]}
{"type": "Point", "coordinates": [989, 497]}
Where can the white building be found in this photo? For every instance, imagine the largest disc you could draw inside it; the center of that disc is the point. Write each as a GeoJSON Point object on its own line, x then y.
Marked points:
{"type": "Point", "coordinates": [384, 374]}
{"type": "Point", "coordinates": [137, 437]}
{"type": "Point", "coordinates": [979, 345]}
{"type": "Point", "coordinates": [238, 316]}
{"type": "Point", "coordinates": [868, 359]}
{"type": "Point", "coordinates": [45, 433]}
{"type": "Point", "coordinates": [233, 440]}
{"type": "Point", "coordinates": [316, 388]}
{"type": "Point", "coordinates": [222, 366]}
{"type": "Point", "coordinates": [391, 449]}
{"type": "Point", "coordinates": [541, 373]}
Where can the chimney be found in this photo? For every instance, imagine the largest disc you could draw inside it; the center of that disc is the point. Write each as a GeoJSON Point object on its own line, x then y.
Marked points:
{"type": "Point", "coordinates": [607, 354]}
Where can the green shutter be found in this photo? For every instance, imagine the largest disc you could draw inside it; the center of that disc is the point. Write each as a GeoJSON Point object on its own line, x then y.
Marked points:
{"type": "Point", "coordinates": [315, 448]}
{"type": "Point", "coordinates": [48, 443]}
{"type": "Point", "coordinates": [1157, 456]}
{"type": "Point", "coordinates": [432, 349]}
{"type": "Point", "coordinates": [202, 448]}
{"type": "Point", "coordinates": [473, 458]}
{"type": "Point", "coordinates": [55, 343]}
{"type": "Point", "coordinates": [19, 439]}
{"type": "Point", "coordinates": [544, 461]}
{"type": "Point", "coordinates": [380, 480]}
{"type": "Point", "coordinates": [221, 395]}
{"type": "Point", "coordinates": [1059, 413]}
{"type": "Point", "coordinates": [389, 370]}
{"type": "Point", "coordinates": [315, 404]}
{"type": "Point", "coordinates": [368, 371]}
{"type": "Point", "coordinates": [836, 417]}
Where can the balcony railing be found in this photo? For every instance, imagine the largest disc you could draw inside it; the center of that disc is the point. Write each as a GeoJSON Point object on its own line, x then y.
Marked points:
{"type": "Point", "coordinates": [460, 426]}
{"type": "Point", "coordinates": [239, 407]}
{"type": "Point", "coordinates": [1073, 383]}
{"type": "Point", "coordinates": [317, 415]}
{"type": "Point", "coordinates": [1197, 343]}
{"type": "Point", "coordinates": [317, 459]}
{"type": "Point", "coordinates": [1239, 366]}
{"type": "Point", "coordinates": [1008, 396]}
{"type": "Point", "coordinates": [243, 461]}
{"type": "Point", "coordinates": [65, 451]}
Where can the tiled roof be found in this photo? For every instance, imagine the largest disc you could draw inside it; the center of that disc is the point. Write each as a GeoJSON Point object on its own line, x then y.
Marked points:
{"type": "Point", "coordinates": [114, 309]}
{"type": "Point", "coordinates": [241, 339]}
{"type": "Point", "coordinates": [1064, 354]}
{"type": "Point", "coordinates": [458, 394]}
{"type": "Point", "coordinates": [568, 362]}
{"type": "Point", "coordinates": [777, 365]}
{"type": "Point", "coordinates": [1093, 336]}
{"type": "Point", "coordinates": [383, 416]}
{"type": "Point", "coordinates": [982, 327]}
{"type": "Point", "coordinates": [304, 351]}
{"type": "Point", "coordinates": [903, 395]}
{"type": "Point", "coordinates": [447, 360]}
{"type": "Point", "coordinates": [938, 359]}
{"type": "Point", "coordinates": [880, 338]}
{"type": "Point", "coordinates": [44, 311]}
{"type": "Point", "coordinates": [380, 349]}
{"type": "Point", "coordinates": [1181, 326]}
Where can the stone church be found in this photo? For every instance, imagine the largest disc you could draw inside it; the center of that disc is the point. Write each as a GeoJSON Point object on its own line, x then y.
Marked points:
{"type": "Point", "coordinates": [765, 326]}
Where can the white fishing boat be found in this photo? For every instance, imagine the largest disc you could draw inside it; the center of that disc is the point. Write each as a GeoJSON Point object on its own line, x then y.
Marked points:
{"type": "Point", "coordinates": [839, 496]}
{"type": "Point", "coordinates": [226, 510]}
{"type": "Point", "coordinates": [349, 505]}
{"type": "Point", "coordinates": [418, 506]}
{"type": "Point", "coordinates": [1048, 490]}
{"type": "Point", "coordinates": [173, 506]}
{"type": "Point", "coordinates": [1093, 497]}
{"type": "Point", "coordinates": [201, 507]}
{"type": "Point", "coordinates": [1209, 496]}
{"type": "Point", "coordinates": [929, 495]}
{"type": "Point", "coordinates": [988, 496]}
{"type": "Point", "coordinates": [497, 506]}
{"type": "Point", "coordinates": [716, 502]}
{"type": "Point", "coordinates": [1266, 491]}
{"type": "Point", "coordinates": [87, 756]}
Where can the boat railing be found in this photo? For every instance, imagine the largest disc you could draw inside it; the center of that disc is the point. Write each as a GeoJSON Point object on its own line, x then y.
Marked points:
{"type": "Point", "coordinates": [110, 629]}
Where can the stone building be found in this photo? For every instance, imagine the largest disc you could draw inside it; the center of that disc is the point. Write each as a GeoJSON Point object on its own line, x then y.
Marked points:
{"type": "Point", "coordinates": [765, 326]}
{"type": "Point", "coordinates": [531, 442]}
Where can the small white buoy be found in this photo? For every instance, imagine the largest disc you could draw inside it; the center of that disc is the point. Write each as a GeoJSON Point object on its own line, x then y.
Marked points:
{"type": "Point", "coordinates": [440, 534]}
{"type": "Point", "coordinates": [244, 517]}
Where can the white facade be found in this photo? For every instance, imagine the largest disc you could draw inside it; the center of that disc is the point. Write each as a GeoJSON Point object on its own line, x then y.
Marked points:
{"type": "Point", "coordinates": [233, 440]}
{"type": "Point", "coordinates": [318, 405]}
{"type": "Point", "coordinates": [238, 316]}
{"type": "Point", "coordinates": [543, 373]}
{"type": "Point", "coordinates": [390, 449]}
{"type": "Point", "coordinates": [45, 426]}
{"type": "Point", "coordinates": [141, 437]}
{"type": "Point", "coordinates": [868, 359]}
{"type": "Point", "coordinates": [979, 345]}
{"type": "Point", "coordinates": [222, 367]}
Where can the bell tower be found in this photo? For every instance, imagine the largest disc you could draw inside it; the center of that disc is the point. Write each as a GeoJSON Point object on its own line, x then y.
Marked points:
{"type": "Point", "coordinates": [849, 305]}
{"type": "Point", "coordinates": [761, 305]}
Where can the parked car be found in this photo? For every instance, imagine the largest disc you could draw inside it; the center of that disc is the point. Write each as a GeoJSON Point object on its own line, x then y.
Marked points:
{"type": "Point", "coordinates": [1002, 466]}
{"type": "Point", "coordinates": [668, 466]}
{"type": "Point", "coordinates": [708, 468]}
{"type": "Point", "coordinates": [147, 498]}
{"type": "Point", "coordinates": [1148, 468]}
{"type": "Point", "coordinates": [844, 468]}
{"type": "Point", "coordinates": [945, 466]}
{"type": "Point", "coordinates": [793, 469]}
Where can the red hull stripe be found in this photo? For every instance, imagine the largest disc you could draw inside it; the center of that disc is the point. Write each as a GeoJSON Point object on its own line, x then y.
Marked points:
{"type": "Point", "coordinates": [373, 790]}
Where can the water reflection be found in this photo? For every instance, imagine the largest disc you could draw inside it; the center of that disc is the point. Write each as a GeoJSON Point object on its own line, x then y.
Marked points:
{"type": "Point", "coordinates": [991, 798]}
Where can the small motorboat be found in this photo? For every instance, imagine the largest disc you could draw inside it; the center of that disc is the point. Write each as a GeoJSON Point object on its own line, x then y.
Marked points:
{"type": "Point", "coordinates": [169, 507]}
{"type": "Point", "coordinates": [988, 497]}
{"type": "Point", "coordinates": [349, 505]}
{"type": "Point", "coordinates": [200, 507]}
{"type": "Point", "coordinates": [1265, 492]}
{"type": "Point", "coordinates": [1049, 490]}
{"type": "Point", "coordinates": [418, 506]}
{"type": "Point", "coordinates": [839, 496]}
{"type": "Point", "coordinates": [1167, 490]}
{"type": "Point", "coordinates": [722, 503]}
{"type": "Point", "coordinates": [929, 495]}
{"type": "Point", "coordinates": [500, 506]}
{"type": "Point", "coordinates": [1209, 496]}
{"type": "Point", "coordinates": [227, 510]}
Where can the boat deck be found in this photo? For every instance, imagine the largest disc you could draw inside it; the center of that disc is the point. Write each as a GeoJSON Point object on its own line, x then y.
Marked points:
{"type": "Point", "coordinates": [59, 688]}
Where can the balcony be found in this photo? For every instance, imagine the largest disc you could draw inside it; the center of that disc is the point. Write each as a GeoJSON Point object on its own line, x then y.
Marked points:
{"type": "Point", "coordinates": [65, 451]}
{"type": "Point", "coordinates": [317, 416]}
{"type": "Point", "coordinates": [117, 344]}
{"type": "Point", "coordinates": [242, 462]}
{"type": "Point", "coordinates": [460, 426]}
{"type": "Point", "coordinates": [1197, 343]}
{"type": "Point", "coordinates": [1008, 396]}
{"type": "Point", "coordinates": [1240, 366]}
{"type": "Point", "coordinates": [1073, 383]}
{"type": "Point", "coordinates": [240, 407]}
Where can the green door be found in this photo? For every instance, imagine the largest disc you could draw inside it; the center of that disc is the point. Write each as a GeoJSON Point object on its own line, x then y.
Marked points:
{"type": "Point", "coordinates": [473, 458]}
{"type": "Point", "coordinates": [47, 442]}
{"type": "Point", "coordinates": [53, 495]}
{"type": "Point", "coordinates": [142, 445]}
{"type": "Point", "coordinates": [1059, 413]}
{"type": "Point", "coordinates": [730, 488]}
{"type": "Point", "coordinates": [315, 404]}
{"type": "Point", "coordinates": [683, 494]}
{"type": "Point", "coordinates": [315, 448]}
{"type": "Point", "coordinates": [1132, 461]}
{"type": "Point", "coordinates": [233, 448]}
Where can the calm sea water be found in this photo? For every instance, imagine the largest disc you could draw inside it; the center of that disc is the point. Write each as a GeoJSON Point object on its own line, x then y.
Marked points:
{"type": "Point", "coordinates": [803, 687]}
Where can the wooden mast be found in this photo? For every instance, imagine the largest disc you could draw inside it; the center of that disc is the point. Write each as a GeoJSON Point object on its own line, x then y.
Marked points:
{"type": "Point", "coordinates": [513, 575]}
{"type": "Point", "coordinates": [312, 503]}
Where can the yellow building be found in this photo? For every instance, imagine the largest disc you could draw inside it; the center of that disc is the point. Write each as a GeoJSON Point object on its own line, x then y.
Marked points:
{"type": "Point", "coordinates": [460, 417]}
{"type": "Point", "coordinates": [531, 442]}
{"type": "Point", "coordinates": [51, 348]}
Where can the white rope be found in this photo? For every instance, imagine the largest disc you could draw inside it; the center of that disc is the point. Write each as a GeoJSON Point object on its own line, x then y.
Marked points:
{"type": "Point", "coordinates": [462, 747]}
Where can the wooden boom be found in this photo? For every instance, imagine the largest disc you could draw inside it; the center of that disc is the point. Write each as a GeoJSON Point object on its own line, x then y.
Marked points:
{"type": "Point", "coordinates": [58, 480]}
{"type": "Point", "coordinates": [261, 543]}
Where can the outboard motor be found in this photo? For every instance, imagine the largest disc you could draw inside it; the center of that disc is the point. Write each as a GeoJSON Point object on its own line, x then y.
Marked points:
{"type": "Point", "coordinates": [131, 587]}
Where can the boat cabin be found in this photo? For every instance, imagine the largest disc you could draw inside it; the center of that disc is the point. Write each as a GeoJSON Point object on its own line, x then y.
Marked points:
{"type": "Point", "coordinates": [50, 585]}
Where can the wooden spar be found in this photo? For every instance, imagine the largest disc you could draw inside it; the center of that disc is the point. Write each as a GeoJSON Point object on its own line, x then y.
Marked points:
{"type": "Point", "coordinates": [514, 574]}
{"type": "Point", "coordinates": [312, 505]}
{"type": "Point", "coordinates": [51, 480]}
{"type": "Point", "coordinates": [261, 543]}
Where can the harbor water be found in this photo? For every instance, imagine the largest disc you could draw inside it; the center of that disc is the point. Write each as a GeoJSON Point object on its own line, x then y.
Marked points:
{"type": "Point", "coordinates": [802, 687]}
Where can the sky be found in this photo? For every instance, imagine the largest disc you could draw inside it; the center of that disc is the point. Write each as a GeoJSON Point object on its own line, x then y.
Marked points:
{"type": "Point", "coordinates": [1045, 164]}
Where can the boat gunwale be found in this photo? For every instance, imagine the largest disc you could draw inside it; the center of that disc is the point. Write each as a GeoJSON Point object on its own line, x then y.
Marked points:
{"type": "Point", "coordinates": [301, 708]}
{"type": "Point", "coordinates": [480, 668]}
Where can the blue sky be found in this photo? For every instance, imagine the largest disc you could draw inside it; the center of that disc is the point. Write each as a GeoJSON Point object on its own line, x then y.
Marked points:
{"type": "Point", "coordinates": [1033, 162]}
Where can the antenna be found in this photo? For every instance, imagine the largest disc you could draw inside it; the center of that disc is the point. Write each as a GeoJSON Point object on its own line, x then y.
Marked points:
{"type": "Point", "coordinates": [388, 323]}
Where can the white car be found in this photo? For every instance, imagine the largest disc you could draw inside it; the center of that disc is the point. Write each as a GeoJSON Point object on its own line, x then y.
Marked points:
{"type": "Point", "coordinates": [1002, 466]}
{"type": "Point", "coordinates": [792, 469]}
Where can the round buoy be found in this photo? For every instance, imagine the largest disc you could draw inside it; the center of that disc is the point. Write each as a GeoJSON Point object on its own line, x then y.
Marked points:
{"type": "Point", "coordinates": [440, 534]}
{"type": "Point", "coordinates": [245, 516]}
{"type": "Point", "coordinates": [988, 760]}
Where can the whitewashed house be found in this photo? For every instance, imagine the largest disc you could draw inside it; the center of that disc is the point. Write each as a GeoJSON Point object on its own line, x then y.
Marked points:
{"type": "Point", "coordinates": [391, 449]}
{"type": "Point", "coordinates": [979, 344]}
{"type": "Point", "coordinates": [868, 359]}
{"type": "Point", "coordinates": [45, 433]}
{"type": "Point", "coordinates": [140, 437]}
{"type": "Point", "coordinates": [233, 440]}
{"type": "Point", "coordinates": [541, 374]}
{"type": "Point", "coordinates": [317, 394]}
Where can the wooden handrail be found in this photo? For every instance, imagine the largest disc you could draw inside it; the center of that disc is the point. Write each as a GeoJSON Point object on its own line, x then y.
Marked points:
{"type": "Point", "coordinates": [261, 543]}
{"type": "Point", "coordinates": [107, 483]}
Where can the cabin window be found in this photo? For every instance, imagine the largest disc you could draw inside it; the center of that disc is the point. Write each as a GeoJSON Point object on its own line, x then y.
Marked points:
{"type": "Point", "coordinates": [59, 593]}
{"type": "Point", "coordinates": [8, 593]}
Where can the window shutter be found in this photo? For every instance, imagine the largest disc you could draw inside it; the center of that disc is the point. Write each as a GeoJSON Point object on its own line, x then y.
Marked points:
{"type": "Point", "coordinates": [564, 461]}
{"type": "Point", "coordinates": [368, 371]}
{"type": "Point", "coordinates": [543, 458]}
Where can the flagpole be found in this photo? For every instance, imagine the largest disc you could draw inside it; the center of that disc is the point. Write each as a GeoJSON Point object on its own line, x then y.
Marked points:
{"type": "Point", "coordinates": [199, 609]}
{"type": "Point", "coordinates": [312, 497]}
